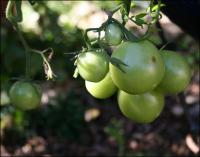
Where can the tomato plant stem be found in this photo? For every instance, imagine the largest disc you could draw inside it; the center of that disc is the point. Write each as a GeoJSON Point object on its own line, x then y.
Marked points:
{"type": "Point", "coordinates": [14, 18]}
{"type": "Point", "coordinates": [27, 51]}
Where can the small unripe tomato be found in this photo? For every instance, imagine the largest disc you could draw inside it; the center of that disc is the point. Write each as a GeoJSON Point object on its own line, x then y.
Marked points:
{"type": "Point", "coordinates": [103, 89]}
{"type": "Point", "coordinates": [142, 108]}
{"type": "Point", "coordinates": [113, 34]}
{"type": "Point", "coordinates": [25, 95]}
{"type": "Point", "coordinates": [93, 66]}
{"type": "Point", "coordinates": [145, 67]}
{"type": "Point", "coordinates": [177, 74]}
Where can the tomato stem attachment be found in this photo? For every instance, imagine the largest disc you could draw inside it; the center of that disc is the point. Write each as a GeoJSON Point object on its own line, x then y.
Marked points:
{"type": "Point", "coordinates": [86, 38]}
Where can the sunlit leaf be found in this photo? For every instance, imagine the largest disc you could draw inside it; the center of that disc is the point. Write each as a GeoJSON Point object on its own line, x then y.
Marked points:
{"type": "Point", "coordinates": [156, 7]}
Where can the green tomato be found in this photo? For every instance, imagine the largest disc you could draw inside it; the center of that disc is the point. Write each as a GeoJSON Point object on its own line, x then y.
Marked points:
{"type": "Point", "coordinates": [93, 66]}
{"type": "Point", "coordinates": [177, 74]}
{"type": "Point", "coordinates": [113, 35]}
{"type": "Point", "coordinates": [144, 70]}
{"type": "Point", "coordinates": [143, 108]}
{"type": "Point", "coordinates": [25, 95]}
{"type": "Point", "coordinates": [103, 89]}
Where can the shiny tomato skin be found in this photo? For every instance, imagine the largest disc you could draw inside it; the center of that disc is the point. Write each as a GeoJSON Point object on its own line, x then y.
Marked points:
{"type": "Point", "coordinates": [113, 34]}
{"type": "Point", "coordinates": [93, 66]}
{"type": "Point", "coordinates": [177, 74]}
{"type": "Point", "coordinates": [103, 89]}
{"type": "Point", "coordinates": [142, 108]}
{"type": "Point", "coordinates": [145, 68]}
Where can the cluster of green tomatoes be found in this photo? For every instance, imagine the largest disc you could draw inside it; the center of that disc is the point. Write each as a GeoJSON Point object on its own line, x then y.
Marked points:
{"type": "Point", "coordinates": [142, 78]}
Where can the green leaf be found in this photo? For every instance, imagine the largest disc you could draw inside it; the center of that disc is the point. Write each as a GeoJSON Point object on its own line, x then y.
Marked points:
{"type": "Point", "coordinates": [139, 21]}
{"type": "Point", "coordinates": [141, 15]}
{"type": "Point", "coordinates": [118, 1]}
{"type": "Point", "coordinates": [133, 5]}
{"type": "Point", "coordinates": [153, 7]}
{"type": "Point", "coordinates": [156, 6]}
{"type": "Point", "coordinates": [149, 9]}
{"type": "Point", "coordinates": [118, 63]}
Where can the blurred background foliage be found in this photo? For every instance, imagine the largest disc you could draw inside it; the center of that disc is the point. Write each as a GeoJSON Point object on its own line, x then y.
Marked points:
{"type": "Point", "coordinates": [69, 120]}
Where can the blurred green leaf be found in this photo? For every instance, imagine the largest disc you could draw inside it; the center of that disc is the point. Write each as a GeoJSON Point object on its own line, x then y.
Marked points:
{"type": "Point", "coordinates": [139, 22]}
{"type": "Point", "coordinates": [156, 6]}
{"type": "Point", "coordinates": [141, 15]}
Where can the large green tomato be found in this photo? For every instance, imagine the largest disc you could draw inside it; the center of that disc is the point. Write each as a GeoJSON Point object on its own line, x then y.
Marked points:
{"type": "Point", "coordinates": [113, 34]}
{"type": "Point", "coordinates": [93, 66]}
{"type": "Point", "coordinates": [145, 68]}
{"type": "Point", "coordinates": [177, 74]}
{"type": "Point", "coordinates": [143, 108]}
{"type": "Point", "coordinates": [103, 89]}
{"type": "Point", "coordinates": [25, 95]}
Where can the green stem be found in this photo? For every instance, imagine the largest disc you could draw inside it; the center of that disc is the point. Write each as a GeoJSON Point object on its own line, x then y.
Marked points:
{"type": "Point", "coordinates": [121, 150]}
{"type": "Point", "coordinates": [27, 51]}
{"type": "Point", "coordinates": [102, 27]}
{"type": "Point", "coordinates": [9, 8]}
{"type": "Point", "coordinates": [21, 36]}
{"type": "Point", "coordinates": [86, 38]}
{"type": "Point", "coordinates": [19, 16]}
{"type": "Point", "coordinates": [130, 36]}
{"type": "Point", "coordinates": [14, 19]}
